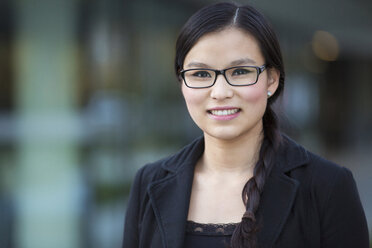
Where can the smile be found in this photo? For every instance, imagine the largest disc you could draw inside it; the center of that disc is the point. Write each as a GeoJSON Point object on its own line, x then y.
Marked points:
{"type": "Point", "coordinates": [224, 112]}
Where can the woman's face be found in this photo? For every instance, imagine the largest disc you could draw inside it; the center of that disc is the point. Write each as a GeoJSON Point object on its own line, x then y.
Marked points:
{"type": "Point", "coordinates": [244, 105]}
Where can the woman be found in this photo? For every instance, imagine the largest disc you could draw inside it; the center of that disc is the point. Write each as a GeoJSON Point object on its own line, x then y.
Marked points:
{"type": "Point", "coordinates": [243, 184]}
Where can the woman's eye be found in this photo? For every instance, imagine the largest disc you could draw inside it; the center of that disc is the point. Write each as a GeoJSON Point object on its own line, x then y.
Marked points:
{"type": "Point", "coordinates": [201, 74]}
{"type": "Point", "coordinates": [241, 71]}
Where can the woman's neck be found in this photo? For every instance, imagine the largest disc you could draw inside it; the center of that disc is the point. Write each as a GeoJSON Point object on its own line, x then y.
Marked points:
{"type": "Point", "coordinates": [235, 156]}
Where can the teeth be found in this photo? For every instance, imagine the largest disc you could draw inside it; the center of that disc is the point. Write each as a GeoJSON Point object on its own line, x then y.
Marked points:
{"type": "Point", "coordinates": [224, 112]}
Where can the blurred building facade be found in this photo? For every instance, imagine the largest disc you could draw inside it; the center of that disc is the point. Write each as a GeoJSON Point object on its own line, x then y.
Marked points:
{"type": "Point", "coordinates": [88, 95]}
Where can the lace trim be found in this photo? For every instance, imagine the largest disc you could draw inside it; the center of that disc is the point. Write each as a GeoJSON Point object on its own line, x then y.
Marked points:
{"type": "Point", "coordinates": [210, 228]}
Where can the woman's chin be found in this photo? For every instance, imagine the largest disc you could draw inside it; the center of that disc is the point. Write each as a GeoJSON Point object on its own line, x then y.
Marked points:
{"type": "Point", "coordinates": [233, 132]}
{"type": "Point", "coordinates": [226, 135]}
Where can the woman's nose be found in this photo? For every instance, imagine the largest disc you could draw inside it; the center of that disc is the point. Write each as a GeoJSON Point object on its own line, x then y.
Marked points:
{"type": "Point", "coordinates": [221, 89]}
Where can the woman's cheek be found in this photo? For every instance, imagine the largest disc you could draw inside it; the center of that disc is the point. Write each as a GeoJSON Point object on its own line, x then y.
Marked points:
{"type": "Point", "coordinates": [194, 99]}
{"type": "Point", "coordinates": [254, 94]}
{"type": "Point", "coordinates": [192, 96]}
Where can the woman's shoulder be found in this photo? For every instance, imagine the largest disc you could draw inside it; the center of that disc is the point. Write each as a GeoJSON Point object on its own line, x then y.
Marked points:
{"type": "Point", "coordinates": [318, 173]}
{"type": "Point", "coordinates": [329, 183]}
{"type": "Point", "coordinates": [329, 189]}
{"type": "Point", "coordinates": [328, 178]}
{"type": "Point", "coordinates": [326, 169]}
{"type": "Point", "coordinates": [305, 159]}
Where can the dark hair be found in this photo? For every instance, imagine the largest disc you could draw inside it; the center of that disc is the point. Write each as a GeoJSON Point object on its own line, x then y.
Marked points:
{"type": "Point", "coordinates": [214, 18]}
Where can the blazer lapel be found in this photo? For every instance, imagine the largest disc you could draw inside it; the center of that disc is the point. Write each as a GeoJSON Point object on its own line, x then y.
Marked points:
{"type": "Point", "coordinates": [170, 199]}
{"type": "Point", "coordinates": [279, 192]}
{"type": "Point", "coordinates": [170, 196]}
{"type": "Point", "coordinates": [275, 205]}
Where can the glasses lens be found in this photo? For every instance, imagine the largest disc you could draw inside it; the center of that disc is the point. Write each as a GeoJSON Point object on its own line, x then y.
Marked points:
{"type": "Point", "coordinates": [199, 78]}
{"type": "Point", "coordinates": [242, 75]}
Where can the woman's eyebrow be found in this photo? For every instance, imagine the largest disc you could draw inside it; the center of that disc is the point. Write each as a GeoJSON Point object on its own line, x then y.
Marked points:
{"type": "Point", "coordinates": [197, 64]}
{"type": "Point", "coordinates": [242, 62]}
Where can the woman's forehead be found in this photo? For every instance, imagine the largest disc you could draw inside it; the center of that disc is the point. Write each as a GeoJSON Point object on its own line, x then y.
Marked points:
{"type": "Point", "coordinates": [230, 46]}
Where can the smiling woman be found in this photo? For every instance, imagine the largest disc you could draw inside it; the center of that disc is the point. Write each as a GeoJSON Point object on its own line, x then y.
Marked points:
{"type": "Point", "coordinates": [243, 183]}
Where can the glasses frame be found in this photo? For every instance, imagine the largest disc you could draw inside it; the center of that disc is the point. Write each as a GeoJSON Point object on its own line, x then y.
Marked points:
{"type": "Point", "coordinates": [259, 69]}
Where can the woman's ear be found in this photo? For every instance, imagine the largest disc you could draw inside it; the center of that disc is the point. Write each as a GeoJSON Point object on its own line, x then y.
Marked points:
{"type": "Point", "coordinates": [273, 80]}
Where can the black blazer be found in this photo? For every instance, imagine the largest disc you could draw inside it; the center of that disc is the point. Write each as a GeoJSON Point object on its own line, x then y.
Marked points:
{"type": "Point", "coordinates": [307, 202]}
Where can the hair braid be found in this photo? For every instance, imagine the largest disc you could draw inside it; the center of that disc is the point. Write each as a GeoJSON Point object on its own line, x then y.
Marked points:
{"type": "Point", "coordinates": [245, 234]}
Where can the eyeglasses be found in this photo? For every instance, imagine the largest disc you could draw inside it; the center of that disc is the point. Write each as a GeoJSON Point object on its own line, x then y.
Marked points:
{"type": "Point", "coordinates": [235, 76]}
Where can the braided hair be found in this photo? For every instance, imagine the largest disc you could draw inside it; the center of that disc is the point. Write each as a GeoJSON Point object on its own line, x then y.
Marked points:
{"type": "Point", "coordinates": [214, 18]}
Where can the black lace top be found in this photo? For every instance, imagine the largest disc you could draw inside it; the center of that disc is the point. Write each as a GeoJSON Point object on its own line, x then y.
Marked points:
{"type": "Point", "coordinates": [200, 235]}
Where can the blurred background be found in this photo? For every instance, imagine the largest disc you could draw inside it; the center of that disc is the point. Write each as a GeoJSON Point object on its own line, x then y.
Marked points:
{"type": "Point", "coordinates": [88, 95]}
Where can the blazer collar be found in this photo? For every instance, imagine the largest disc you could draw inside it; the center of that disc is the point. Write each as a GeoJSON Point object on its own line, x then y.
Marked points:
{"type": "Point", "coordinates": [290, 155]}
{"type": "Point", "coordinates": [170, 196]}
{"type": "Point", "coordinates": [279, 191]}
{"type": "Point", "coordinates": [190, 154]}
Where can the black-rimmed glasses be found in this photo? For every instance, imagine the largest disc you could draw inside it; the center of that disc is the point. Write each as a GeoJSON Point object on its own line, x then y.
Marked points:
{"type": "Point", "coordinates": [235, 76]}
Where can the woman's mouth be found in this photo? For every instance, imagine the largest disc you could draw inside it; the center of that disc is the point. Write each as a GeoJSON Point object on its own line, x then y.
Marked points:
{"type": "Point", "coordinates": [223, 112]}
